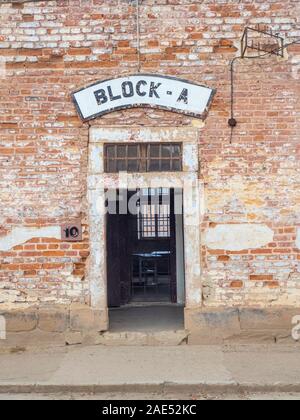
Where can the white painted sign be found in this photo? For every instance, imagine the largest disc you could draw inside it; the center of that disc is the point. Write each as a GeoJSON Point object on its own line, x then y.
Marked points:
{"type": "Point", "coordinates": [141, 90]}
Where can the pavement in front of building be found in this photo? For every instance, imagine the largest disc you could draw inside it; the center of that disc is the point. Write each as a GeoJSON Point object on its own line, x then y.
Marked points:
{"type": "Point", "coordinates": [180, 369]}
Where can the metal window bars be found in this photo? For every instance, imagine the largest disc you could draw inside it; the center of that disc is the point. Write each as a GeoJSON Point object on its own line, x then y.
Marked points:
{"type": "Point", "coordinates": [143, 157]}
{"type": "Point", "coordinates": [153, 218]}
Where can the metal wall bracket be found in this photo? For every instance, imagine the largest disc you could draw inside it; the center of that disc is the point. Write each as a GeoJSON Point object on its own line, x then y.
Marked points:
{"type": "Point", "coordinates": [262, 41]}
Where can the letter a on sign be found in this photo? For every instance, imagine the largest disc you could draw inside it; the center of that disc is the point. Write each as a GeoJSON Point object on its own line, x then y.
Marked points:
{"type": "Point", "coordinates": [143, 90]}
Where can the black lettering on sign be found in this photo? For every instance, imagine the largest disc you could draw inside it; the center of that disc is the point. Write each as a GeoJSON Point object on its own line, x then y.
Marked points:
{"type": "Point", "coordinates": [184, 96]}
{"type": "Point", "coordinates": [138, 87]}
{"type": "Point", "coordinates": [111, 95]}
{"type": "Point", "coordinates": [127, 89]}
{"type": "Point", "coordinates": [101, 97]}
{"type": "Point", "coordinates": [153, 89]}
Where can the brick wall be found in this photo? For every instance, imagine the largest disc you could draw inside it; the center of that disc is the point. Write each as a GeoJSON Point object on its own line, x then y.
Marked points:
{"type": "Point", "coordinates": [52, 48]}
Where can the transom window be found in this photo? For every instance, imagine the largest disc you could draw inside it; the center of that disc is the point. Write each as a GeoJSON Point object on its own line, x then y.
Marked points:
{"type": "Point", "coordinates": [143, 157]}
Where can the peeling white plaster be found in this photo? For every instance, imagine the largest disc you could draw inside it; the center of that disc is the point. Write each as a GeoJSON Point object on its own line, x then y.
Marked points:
{"type": "Point", "coordinates": [198, 123]}
{"type": "Point", "coordinates": [238, 237]}
{"type": "Point", "coordinates": [20, 235]}
{"type": "Point", "coordinates": [190, 157]}
{"type": "Point", "coordinates": [102, 135]}
{"type": "Point", "coordinates": [298, 238]}
{"type": "Point", "coordinates": [96, 159]}
{"type": "Point", "coordinates": [143, 134]}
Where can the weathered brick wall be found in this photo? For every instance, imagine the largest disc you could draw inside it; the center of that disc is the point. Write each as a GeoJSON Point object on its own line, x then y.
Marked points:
{"type": "Point", "coordinates": [52, 48]}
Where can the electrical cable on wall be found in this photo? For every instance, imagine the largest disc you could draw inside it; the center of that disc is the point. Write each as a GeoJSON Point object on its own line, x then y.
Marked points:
{"type": "Point", "coordinates": [138, 34]}
{"type": "Point", "coordinates": [232, 121]}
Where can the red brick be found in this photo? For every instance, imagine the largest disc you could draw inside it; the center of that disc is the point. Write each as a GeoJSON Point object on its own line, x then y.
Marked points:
{"type": "Point", "coordinates": [44, 144]}
{"type": "Point", "coordinates": [261, 277]}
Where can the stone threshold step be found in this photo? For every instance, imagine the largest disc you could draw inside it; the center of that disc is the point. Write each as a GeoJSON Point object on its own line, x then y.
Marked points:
{"type": "Point", "coordinates": [139, 338]}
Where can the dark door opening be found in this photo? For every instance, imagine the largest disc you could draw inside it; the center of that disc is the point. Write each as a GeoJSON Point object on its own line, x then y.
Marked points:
{"type": "Point", "coordinates": [141, 247]}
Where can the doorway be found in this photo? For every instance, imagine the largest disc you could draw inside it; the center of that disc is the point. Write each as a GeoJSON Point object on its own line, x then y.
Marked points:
{"type": "Point", "coordinates": [179, 176]}
{"type": "Point", "coordinates": [145, 250]}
